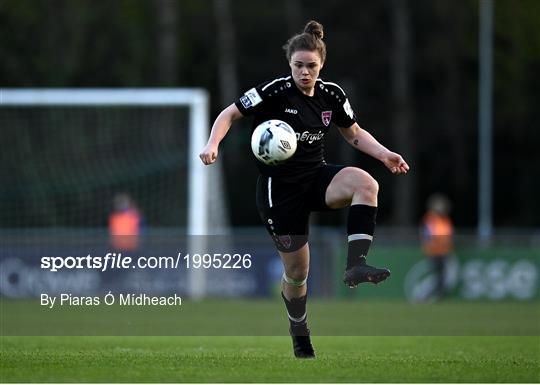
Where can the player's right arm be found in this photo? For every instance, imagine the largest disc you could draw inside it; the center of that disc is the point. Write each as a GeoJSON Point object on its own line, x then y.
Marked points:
{"type": "Point", "coordinates": [220, 128]}
{"type": "Point", "coordinates": [250, 103]}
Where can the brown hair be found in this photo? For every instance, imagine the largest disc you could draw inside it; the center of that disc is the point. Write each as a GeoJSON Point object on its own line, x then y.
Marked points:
{"type": "Point", "coordinates": [309, 40]}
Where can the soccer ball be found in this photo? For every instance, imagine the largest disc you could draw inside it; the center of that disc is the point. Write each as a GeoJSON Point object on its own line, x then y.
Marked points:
{"type": "Point", "coordinates": [273, 142]}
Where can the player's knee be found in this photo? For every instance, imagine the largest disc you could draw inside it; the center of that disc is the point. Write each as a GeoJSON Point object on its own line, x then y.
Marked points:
{"type": "Point", "coordinates": [296, 273]}
{"type": "Point", "coordinates": [370, 187]}
{"type": "Point", "coordinates": [294, 282]}
{"type": "Point", "coordinates": [363, 183]}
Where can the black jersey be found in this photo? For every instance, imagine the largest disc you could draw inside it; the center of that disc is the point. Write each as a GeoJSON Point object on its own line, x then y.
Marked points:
{"type": "Point", "coordinates": [309, 116]}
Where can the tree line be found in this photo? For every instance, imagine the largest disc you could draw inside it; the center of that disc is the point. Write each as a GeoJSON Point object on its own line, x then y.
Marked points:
{"type": "Point", "coordinates": [410, 69]}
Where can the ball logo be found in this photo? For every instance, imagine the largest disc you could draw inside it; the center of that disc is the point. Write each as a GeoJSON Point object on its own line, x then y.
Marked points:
{"type": "Point", "coordinates": [285, 144]}
{"type": "Point", "coordinates": [326, 117]}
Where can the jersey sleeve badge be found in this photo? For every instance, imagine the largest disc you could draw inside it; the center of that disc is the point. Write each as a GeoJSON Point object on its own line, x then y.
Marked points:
{"type": "Point", "coordinates": [348, 109]}
{"type": "Point", "coordinates": [251, 98]}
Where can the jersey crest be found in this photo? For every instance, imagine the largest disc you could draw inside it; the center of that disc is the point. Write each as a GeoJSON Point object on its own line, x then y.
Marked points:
{"type": "Point", "coordinates": [326, 117]}
{"type": "Point", "coordinates": [284, 240]}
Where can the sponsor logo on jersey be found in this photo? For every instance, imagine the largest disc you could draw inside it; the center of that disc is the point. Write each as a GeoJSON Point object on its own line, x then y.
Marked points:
{"type": "Point", "coordinates": [291, 111]}
{"type": "Point", "coordinates": [309, 137]}
{"type": "Point", "coordinates": [326, 117]}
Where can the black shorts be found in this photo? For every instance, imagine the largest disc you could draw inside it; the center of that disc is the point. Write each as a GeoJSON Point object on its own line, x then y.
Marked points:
{"type": "Point", "coordinates": [284, 206]}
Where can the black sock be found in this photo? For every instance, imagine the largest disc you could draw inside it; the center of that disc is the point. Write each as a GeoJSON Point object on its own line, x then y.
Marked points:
{"type": "Point", "coordinates": [296, 309]}
{"type": "Point", "coordinates": [360, 229]}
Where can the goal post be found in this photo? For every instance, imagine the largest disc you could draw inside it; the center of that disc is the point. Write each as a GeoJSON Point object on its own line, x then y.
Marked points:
{"type": "Point", "coordinates": [197, 102]}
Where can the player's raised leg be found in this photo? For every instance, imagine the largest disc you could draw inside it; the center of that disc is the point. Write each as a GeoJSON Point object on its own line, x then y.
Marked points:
{"type": "Point", "coordinates": [294, 293]}
{"type": "Point", "coordinates": [356, 188]}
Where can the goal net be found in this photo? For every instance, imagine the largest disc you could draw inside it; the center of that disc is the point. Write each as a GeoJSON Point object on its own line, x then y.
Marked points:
{"type": "Point", "coordinates": [68, 153]}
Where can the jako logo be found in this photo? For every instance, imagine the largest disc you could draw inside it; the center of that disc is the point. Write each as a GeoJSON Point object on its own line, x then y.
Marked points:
{"type": "Point", "coordinates": [309, 137]}
{"type": "Point", "coordinates": [291, 111]}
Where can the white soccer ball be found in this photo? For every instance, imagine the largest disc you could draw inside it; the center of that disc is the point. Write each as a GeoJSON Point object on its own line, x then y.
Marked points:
{"type": "Point", "coordinates": [273, 142]}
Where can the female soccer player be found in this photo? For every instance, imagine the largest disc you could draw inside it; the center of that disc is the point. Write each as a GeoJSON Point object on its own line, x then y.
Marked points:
{"type": "Point", "coordinates": [287, 193]}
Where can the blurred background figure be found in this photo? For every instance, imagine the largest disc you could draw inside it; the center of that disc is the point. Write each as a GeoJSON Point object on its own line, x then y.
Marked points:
{"type": "Point", "coordinates": [437, 239]}
{"type": "Point", "coordinates": [124, 223]}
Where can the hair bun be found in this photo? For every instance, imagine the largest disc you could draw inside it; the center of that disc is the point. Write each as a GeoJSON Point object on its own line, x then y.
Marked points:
{"type": "Point", "coordinates": [314, 28]}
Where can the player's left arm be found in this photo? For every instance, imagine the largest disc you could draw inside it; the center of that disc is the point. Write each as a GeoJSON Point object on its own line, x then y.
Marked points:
{"type": "Point", "coordinates": [362, 140]}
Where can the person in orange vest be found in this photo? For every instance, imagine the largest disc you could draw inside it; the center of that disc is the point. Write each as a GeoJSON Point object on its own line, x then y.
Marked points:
{"type": "Point", "coordinates": [124, 223]}
{"type": "Point", "coordinates": [437, 238]}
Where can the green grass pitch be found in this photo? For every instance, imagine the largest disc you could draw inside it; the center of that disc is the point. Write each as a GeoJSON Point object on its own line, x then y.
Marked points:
{"type": "Point", "coordinates": [269, 359]}
{"type": "Point", "coordinates": [393, 342]}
